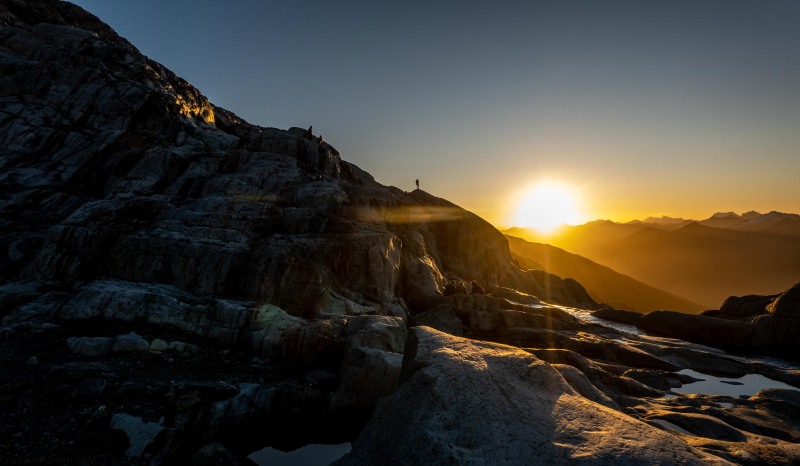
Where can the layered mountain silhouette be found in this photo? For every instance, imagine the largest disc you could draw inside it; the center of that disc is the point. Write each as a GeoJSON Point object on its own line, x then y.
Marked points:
{"type": "Point", "coordinates": [602, 283]}
{"type": "Point", "coordinates": [704, 261]}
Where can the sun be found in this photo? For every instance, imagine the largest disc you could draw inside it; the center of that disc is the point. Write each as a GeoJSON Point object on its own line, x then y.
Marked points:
{"type": "Point", "coordinates": [548, 205]}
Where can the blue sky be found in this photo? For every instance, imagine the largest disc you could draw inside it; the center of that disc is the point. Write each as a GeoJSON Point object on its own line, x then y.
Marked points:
{"type": "Point", "coordinates": [644, 107]}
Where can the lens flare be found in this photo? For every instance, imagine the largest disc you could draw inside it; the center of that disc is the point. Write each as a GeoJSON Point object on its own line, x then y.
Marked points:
{"type": "Point", "coordinates": [546, 206]}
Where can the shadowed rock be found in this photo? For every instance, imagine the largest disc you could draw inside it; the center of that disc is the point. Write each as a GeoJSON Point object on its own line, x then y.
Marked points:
{"type": "Point", "coordinates": [617, 315]}
{"type": "Point", "coordinates": [742, 307]}
{"type": "Point", "coordinates": [701, 329]}
{"type": "Point", "coordinates": [702, 426]}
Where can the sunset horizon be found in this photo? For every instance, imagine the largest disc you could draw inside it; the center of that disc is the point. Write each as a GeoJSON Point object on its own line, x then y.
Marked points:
{"type": "Point", "coordinates": [638, 218]}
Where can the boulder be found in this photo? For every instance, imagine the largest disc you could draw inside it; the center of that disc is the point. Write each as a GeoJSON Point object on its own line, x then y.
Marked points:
{"type": "Point", "coordinates": [787, 304]}
{"type": "Point", "coordinates": [465, 401]}
{"type": "Point", "coordinates": [699, 329]}
{"type": "Point", "coordinates": [742, 307]}
{"type": "Point", "coordinates": [88, 346]}
{"type": "Point", "coordinates": [618, 315]}
{"type": "Point", "coordinates": [371, 364]}
{"type": "Point", "coordinates": [377, 332]}
{"type": "Point", "coordinates": [129, 342]}
{"type": "Point", "coordinates": [140, 433]}
{"type": "Point", "coordinates": [366, 375]}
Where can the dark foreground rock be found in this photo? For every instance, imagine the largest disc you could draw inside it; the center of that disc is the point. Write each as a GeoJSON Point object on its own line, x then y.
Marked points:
{"type": "Point", "coordinates": [755, 323]}
{"type": "Point", "coordinates": [701, 329]}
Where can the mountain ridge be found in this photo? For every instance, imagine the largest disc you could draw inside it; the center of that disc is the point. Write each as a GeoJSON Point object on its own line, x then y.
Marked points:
{"type": "Point", "coordinates": [602, 283]}
{"type": "Point", "coordinates": [705, 261]}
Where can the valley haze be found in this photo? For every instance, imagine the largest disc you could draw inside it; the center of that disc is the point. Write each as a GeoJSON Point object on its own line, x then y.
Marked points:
{"type": "Point", "coordinates": [704, 261]}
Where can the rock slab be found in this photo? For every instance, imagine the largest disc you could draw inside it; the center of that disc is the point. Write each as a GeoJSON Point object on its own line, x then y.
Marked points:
{"type": "Point", "coordinates": [472, 402]}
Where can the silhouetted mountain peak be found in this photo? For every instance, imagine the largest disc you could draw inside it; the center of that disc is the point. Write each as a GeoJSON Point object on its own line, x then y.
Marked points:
{"type": "Point", "coordinates": [722, 220]}
{"type": "Point", "coordinates": [725, 215]}
{"type": "Point", "coordinates": [601, 222]}
{"type": "Point", "coordinates": [696, 228]}
{"type": "Point", "coordinates": [664, 220]}
{"type": "Point", "coordinates": [766, 222]}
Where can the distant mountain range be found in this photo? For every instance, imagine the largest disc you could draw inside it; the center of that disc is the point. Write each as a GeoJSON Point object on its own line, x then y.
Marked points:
{"type": "Point", "coordinates": [773, 222]}
{"type": "Point", "coordinates": [603, 284]}
{"type": "Point", "coordinates": [703, 261]}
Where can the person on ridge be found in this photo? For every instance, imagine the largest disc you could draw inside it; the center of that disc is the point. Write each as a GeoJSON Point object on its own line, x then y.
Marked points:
{"type": "Point", "coordinates": [417, 183]}
{"type": "Point", "coordinates": [309, 133]}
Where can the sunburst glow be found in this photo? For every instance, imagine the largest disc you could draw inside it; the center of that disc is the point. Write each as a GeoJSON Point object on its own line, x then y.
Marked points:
{"type": "Point", "coordinates": [546, 206]}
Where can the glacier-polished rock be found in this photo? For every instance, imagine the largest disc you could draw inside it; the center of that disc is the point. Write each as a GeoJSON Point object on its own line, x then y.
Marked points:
{"type": "Point", "coordinates": [456, 390]}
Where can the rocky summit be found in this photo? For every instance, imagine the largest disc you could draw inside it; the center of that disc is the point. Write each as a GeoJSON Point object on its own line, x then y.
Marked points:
{"type": "Point", "coordinates": [180, 286]}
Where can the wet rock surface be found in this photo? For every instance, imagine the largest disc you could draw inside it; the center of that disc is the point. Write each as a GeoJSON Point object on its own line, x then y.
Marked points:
{"type": "Point", "coordinates": [180, 286]}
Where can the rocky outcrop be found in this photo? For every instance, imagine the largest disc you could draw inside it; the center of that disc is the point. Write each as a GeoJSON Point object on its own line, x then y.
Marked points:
{"type": "Point", "coordinates": [787, 304]}
{"type": "Point", "coordinates": [742, 307]}
{"type": "Point", "coordinates": [455, 390]}
{"type": "Point", "coordinates": [760, 323]}
{"type": "Point", "coordinates": [114, 168]}
{"type": "Point", "coordinates": [701, 329]}
{"type": "Point", "coordinates": [618, 315]}
{"type": "Point", "coordinates": [371, 364]}
{"type": "Point", "coordinates": [781, 326]}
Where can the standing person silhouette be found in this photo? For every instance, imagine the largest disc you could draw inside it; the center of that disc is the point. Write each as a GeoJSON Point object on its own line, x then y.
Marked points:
{"type": "Point", "coordinates": [417, 183]}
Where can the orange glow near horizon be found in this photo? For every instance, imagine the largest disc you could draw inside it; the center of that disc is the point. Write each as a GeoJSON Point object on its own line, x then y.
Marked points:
{"type": "Point", "coordinates": [546, 206]}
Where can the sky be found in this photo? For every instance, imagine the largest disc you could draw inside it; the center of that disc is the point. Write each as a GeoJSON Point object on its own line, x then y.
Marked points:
{"type": "Point", "coordinates": [639, 108]}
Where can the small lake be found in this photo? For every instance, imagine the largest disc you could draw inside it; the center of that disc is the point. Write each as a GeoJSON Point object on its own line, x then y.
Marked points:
{"type": "Point", "coordinates": [310, 455]}
{"type": "Point", "coordinates": [747, 385]}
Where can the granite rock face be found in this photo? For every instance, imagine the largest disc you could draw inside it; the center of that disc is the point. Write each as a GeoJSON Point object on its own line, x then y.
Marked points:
{"type": "Point", "coordinates": [455, 390]}
{"type": "Point", "coordinates": [114, 168]}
